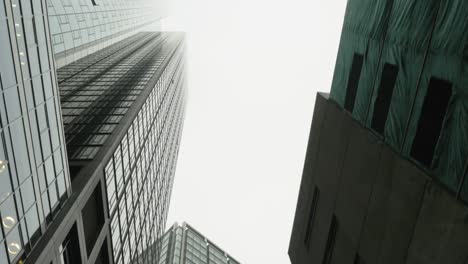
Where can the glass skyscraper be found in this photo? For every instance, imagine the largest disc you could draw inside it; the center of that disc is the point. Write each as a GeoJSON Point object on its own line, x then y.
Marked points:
{"type": "Point", "coordinates": [88, 147]}
{"type": "Point", "coordinates": [34, 178]}
{"type": "Point", "coordinates": [182, 244]}
{"type": "Point", "coordinates": [81, 27]}
{"type": "Point", "coordinates": [122, 109]}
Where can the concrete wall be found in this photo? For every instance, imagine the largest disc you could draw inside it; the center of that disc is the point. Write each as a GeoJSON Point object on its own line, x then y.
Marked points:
{"type": "Point", "coordinates": [388, 210]}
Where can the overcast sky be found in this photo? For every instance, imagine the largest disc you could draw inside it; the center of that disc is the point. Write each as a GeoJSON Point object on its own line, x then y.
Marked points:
{"type": "Point", "coordinates": [254, 67]}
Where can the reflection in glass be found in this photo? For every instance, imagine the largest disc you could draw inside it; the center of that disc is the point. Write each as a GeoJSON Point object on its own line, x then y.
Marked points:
{"type": "Point", "coordinates": [3, 165]}
{"type": "Point", "coordinates": [8, 222]}
{"type": "Point", "coordinates": [14, 248]}
{"type": "Point", "coordinates": [13, 242]}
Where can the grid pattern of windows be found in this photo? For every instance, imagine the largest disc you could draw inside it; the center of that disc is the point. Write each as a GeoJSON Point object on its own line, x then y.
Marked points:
{"type": "Point", "coordinates": [97, 91]}
{"type": "Point", "coordinates": [196, 249]}
{"type": "Point", "coordinates": [33, 175]}
{"type": "Point", "coordinates": [140, 173]}
{"type": "Point", "coordinates": [216, 256]}
{"type": "Point", "coordinates": [79, 27]}
{"type": "Point", "coordinates": [183, 244]}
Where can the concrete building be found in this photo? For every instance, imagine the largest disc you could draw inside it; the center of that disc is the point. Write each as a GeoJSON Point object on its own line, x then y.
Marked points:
{"type": "Point", "coordinates": [385, 173]}
{"type": "Point", "coordinates": [182, 244]}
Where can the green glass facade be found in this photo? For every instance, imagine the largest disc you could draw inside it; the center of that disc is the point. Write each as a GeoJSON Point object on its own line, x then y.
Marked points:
{"type": "Point", "coordinates": [394, 57]}
{"type": "Point", "coordinates": [385, 177]}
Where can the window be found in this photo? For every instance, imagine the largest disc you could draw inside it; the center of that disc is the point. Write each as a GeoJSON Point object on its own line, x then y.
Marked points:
{"type": "Point", "coordinates": [70, 248]}
{"type": "Point", "coordinates": [330, 241]}
{"type": "Point", "coordinates": [310, 219]}
{"type": "Point", "coordinates": [94, 2]}
{"type": "Point", "coordinates": [431, 120]}
{"type": "Point", "coordinates": [93, 218]}
{"type": "Point", "coordinates": [353, 81]}
{"type": "Point", "coordinates": [357, 259]}
{"type": "Point", "coordinates": [384, 97]}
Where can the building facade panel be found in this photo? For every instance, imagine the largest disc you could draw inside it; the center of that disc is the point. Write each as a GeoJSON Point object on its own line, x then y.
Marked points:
{"type": "Point", "coordinates": [123, 110]}
{"type": "Point", "coordinates": [394, 131]}
{"type": "Point", "coordinates": [401, 218]}
{"type": "Point", "coordinates": [34, 182]}
{"type": "Point", "coordinates": [184, 244]}
{"type": "Point", "coordinates": [79, 28]}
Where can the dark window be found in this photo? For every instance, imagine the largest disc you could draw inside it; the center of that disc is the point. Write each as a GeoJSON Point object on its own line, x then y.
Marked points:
{"type": "Point", "coordinates": [353, 81]}
{"type": "Point", "coordinates": [330, 241]}
{"type": "Point", "coordinates": [93, 218]}
{"type": "Point", "coordinates": [103, 257]}
{"type": "Point", "coordinates": [431, 120]}
{"type": "Point", "coordinates": [310, 219]}
{"type": "Point", "coordinates": [384, 97]}
{"type": "Point", "coordinates": [94, 2]}
{"type": "Point", "coordinates": [357, 259]}
{"type": "Point", "coordinates": [71, 247]}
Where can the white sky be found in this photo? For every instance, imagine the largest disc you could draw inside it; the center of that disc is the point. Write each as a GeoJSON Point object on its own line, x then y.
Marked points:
{"type": "Point", "coordinates": [253, 70]}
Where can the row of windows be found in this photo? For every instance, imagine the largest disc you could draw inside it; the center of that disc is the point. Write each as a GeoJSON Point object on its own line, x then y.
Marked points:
{"type": "Point", "coordinates": [431, 118]}
{"type": "Point", "coordinates": [167, 175]}
{"type": "Point", "coordinates": [197, 249]}
{"type": "Point", "coordinates": [130, 140]}
{"type": "Point", "coordinates": [153, 253]}
{"type": "Point", "coordinates": [33, 182]}
{"type": "Point", "coordinates": [77, 24]}
{"type": "Point", "coordinates": [143, 157]}
{"type": "Point", "coordinates": [81, 65]}
{"type": "Point", "coordinates": [89, 120]}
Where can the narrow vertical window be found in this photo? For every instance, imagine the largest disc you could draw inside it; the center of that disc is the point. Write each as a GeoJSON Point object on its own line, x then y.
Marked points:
{"type": "Point", "coordinates": [310, 219]}
{"type": "Point", "coordinates": [431, 120]}
{"type": "Point", "coordinates": [70, 247]}
{"type": "Point", "coordinates": [353, 81]}
{"type": "Point", "coordinates": [384, 97]}
{"type": "Point", "coordinates": [330, 241]}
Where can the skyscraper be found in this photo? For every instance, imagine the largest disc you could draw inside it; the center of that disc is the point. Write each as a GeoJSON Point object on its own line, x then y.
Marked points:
{"type": "Point", "coordinates": [34, 178]}
{"type": "Point", "coordinates": [79, 28]}
{"type": "Point", "coordinates": [122, 111]}
{"type": "Point", "coordinates": [185, 245]}
{"type": "Point", "coordinates": [122, 107]}
{"type": "Point", "coordinates": [385, 174]}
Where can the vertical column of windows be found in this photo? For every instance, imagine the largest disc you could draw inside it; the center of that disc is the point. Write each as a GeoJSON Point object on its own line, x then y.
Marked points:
{"type": "Point", "coordinates": [30, 137]}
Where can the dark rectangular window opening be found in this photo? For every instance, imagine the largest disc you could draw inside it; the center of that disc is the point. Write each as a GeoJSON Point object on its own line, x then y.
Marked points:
{"type": "Point", "coordinates": [353, 82]}
{"type": "Point", "coordinates": [384, 97]}
{"type": "Point", "coordinates": [357, 259]}
{"type": "Point", "coordinates": [431, 120]}
{"type": "Point", "coordinates": [70, 250]}
{"type": "Point", "coordinates": [330, 241]}
{"type": "Point", "coordinates": [93, 218]}
{"type": "Point", "coordinates": [311, 218]}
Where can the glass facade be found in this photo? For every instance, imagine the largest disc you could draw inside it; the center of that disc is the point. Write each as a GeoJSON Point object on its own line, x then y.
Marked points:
{"type": "Point", "coordinates": [34, 177]}
{"type": "Point", "coordinates": [96, 92]}
{"type": "Point", "coordinates": [184, 244]}
{"type": "Point", "coordinates": [81, 27]}
{"type": "Point", "coordinates": [139, 176]}
{"type": "Point", "coordinates": [137, 86]}
{"type": "Point", "coordinates": [115, 108]}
